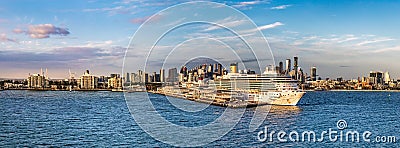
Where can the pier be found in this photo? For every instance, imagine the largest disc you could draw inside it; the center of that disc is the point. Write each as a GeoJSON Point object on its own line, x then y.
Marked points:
{"type": "Point", "coordinates": [207, 97]}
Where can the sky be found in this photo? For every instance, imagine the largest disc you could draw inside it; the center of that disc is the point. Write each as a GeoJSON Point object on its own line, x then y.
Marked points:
{"type": "Point", "coordinates": [342, 38]}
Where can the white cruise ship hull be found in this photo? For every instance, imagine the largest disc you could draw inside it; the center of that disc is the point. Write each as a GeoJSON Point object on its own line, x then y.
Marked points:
{"type": "Point", "coordinates": [281, 98]}
{"type": "Point", "coordinates": [291, 100]}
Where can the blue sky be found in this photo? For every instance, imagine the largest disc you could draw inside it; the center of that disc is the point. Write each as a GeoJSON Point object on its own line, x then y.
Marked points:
{"type": "Point", "coordinates": [345, 38]}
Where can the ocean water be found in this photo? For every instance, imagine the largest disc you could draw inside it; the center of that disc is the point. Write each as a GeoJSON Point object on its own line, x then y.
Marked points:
{"type": "Point", "coordinates": [102, 119]}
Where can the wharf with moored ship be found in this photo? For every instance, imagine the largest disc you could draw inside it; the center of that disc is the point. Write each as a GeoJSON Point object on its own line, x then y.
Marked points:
{"type": "Point", "coordinates": [239, 90]}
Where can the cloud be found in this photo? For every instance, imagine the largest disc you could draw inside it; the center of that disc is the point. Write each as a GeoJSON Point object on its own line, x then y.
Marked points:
{"type": "Point", "coordinates": [247, 4]}
{"type": "Point", "coordinates": [174, 23]}
{"type": "Point", "coordinates": [233, 22]}
{"type": "Point", "coordinates": [3, 20]}
{"type": "Point", "coordinates": [264, 27]}
{"type": "Point", "coordinates": [269, 26]}
{"type": "Point", "coordinates": [338, 52]}
{"type": "Point", "coordinates": [344, 66]}
{"type": "Point", "coordinates": [253, 60]}
{"type": "Point", "coordinates": [348, 38]}
{"type": "Point", "coordinates": [41, 31]}
{"type": "Point", "coordinates": [59, 60]}
{"type": "Point", "coordinates": [348, 45]}
{"type": "Point", "coordinates": [64, 54]}
{"type": "Point", "coordinates": [141, 20]}
{"type": "Point", "coordinates": [280, 7]}
{"type": "Point", "coordinates": [374, 41]}
{"type": "Point", "coordinates": [228, 22]}
{"type": "Point", "coordinates": [109, 9]}
{"type": "Point", "coordinates": [384, 50]}
{"type": "Point", "coordinates": [98, 44]}
{"type": "Point", "coordinates": [244, 4]}
{"type": "Point", "coordinates": [17, 30]}
{"type": "Point", "coordinates": [150, 2]}
{"type": "Point", "coordinates": [4, 38]}
{"type": "Point", "coordinates": [113, 10]}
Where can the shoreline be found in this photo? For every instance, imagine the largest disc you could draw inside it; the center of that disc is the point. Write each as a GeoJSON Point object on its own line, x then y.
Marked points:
{"type": "Point", "coordinates": [111, 90]}
{"type": "Point", "coordinates": [61, 89]}
{"type": "Point", "coordinates": [346, 90]}
{"type": "Point", "coordinates": [234, 104]}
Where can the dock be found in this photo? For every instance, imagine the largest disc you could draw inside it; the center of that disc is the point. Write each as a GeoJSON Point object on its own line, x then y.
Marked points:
{"type": "Point", "coordinates": [216, 99]}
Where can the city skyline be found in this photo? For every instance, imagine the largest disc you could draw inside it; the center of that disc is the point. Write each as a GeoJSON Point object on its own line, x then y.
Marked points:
{"type": "Point", "coordinates": [200, 74]}
{"type": "Point", "coordinates": [284, 69]}
{"type": "Point", "coordinates": [341, 38]}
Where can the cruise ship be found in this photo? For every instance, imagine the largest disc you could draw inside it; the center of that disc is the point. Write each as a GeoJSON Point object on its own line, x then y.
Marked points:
{"type": "Point", "coordinates": [267, 88]}
{"type": "Point", "coordinates": [238, 89]}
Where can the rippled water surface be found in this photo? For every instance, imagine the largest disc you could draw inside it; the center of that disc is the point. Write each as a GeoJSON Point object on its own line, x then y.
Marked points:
{"type": "Point", "coordinates": [58, 118]}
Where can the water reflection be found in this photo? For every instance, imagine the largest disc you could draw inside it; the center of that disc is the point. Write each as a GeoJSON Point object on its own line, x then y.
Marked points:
{"type": "Point", "coordinates": [283, 116]}
{"type": "Point", "coordinates": [283, 111]}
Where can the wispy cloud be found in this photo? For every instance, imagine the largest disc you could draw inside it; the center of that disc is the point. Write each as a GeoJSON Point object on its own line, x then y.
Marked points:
{"type": "Point", "coordinates": [228, 22]}
{"type": "Point", "coordinates": [281, 7]}
{"type": "Point", "coordinates": [113, 10]}
{"type": "Point", "coordinates": [344, 66]}
{"type": "Point", "coordinates": [63, 54]}
{"type": "Point", "coordinates": [151, 2]}
{"type": "Point", "coordinates": [41, 31]}
{"type": "Point", "coordinates": [264, 27]}
{"type": "Point", "coordinates": [4, 38]}
{"type": "Point", "coordinates": [374, 41]}
{"type": "Point", "coordinates": [98, 44]}
{"type": "Point", "coordinates": [174, 23]}
{"type": "Point", "coordinates": [269, 26]}
{"type": "Point", "coordinates": [395, 48]}
{"type": "Point", "coordinates": [141, 20]}
{"type": "Point", "coordinates": [348, 38]}
{"type": "Point", "coordinates": [3, 20]}
{"type": "Point", "coordinates": [337, 45]}
{"type": "Point", "coordinates": [248, 4]}
{"type": "Point", "coordinates": [135, 6]}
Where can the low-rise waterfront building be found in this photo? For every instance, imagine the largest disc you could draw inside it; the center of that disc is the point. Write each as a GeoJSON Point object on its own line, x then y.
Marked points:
{"type": "Point", "coordinates": [88, 81]}
{"type": "Point", "coordinates": [37, 81]}
{"type": "Point", "coordinates": [115, 81]}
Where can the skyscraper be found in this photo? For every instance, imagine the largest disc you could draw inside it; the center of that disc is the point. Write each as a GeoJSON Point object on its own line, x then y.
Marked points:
{"type": "Point", "coordinates": [295, 66]}
{"type": "Point", "coordinates": [141, 76]}
{"type": "Point", "coordinates": [132, 77]}
{"type": "Point", "coordinates": [219, 69]}
{"type": "Point", "coordinates": [127, 78]}
{"type": "Point", "coordinates": [210, 70]}
{"type": "Point", "coordinates": [172, 75]}
{"type": "Point", "coordinates": [146, 77]}
{"type": "Point", "coordinates": [153, 77]}
{"type": "Point", "coordinates": [376, 77]}
{"type": "Point", "coordinates": [386, 77]}
{"type": "Point", "coordinates": [280, 70]}
{"type": "Point", "coordinates": [162, 75]}
{"type": "Point", "coordinates": [288, 66]}
{"type": "Point", "coordinates": [313, 73]}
